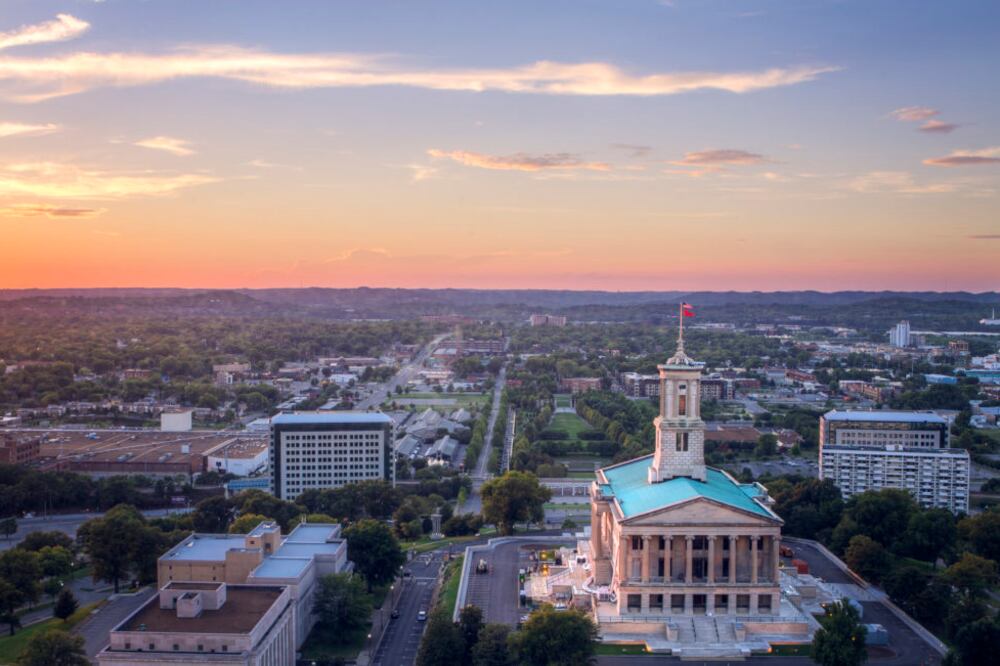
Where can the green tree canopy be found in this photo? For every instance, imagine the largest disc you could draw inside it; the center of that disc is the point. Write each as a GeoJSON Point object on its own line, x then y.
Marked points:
{"type": "Point", "coordinates": [514, 497]}
{"type": "Point", "coordinates": [342, 604]}
{"type": "Point", "coordinates": [374, 550]}
{"type": "Point", "coordinates": [54, 648]}
{"type": "Point", "coordinates": [840, 641]}
{"type": "Point", "coordinates": [555, 638]}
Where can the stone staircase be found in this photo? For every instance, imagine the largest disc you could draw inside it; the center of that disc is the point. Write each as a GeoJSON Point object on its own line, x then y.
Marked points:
{"type": "Point", "coordinates": [685, 630]}
{"type": "Point", "coordinates": [602, 571]}
{"type": "Point", "coordinates": [705, 630]}
{"type": "Point", "coordinates": [725, 631]}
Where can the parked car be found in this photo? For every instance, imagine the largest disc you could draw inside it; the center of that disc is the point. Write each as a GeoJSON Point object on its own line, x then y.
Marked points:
{"type": "Point", "coordinates": [394, 614]}
{"type": "Point", "coordinates": [422, 615]}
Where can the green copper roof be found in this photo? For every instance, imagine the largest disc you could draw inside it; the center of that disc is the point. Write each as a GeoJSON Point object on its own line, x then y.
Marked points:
{"type": "Point", "coordinates": [630, 485]}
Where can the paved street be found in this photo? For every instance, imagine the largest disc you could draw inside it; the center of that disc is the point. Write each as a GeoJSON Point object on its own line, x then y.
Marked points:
{"type": "Point", "coordinates": [402, 638]}
{"type": "Point", "coordinates": [67, 523]}
{"type": "Point", "coordinates": [484, 457]}
{"type": "Point", "coordinates": [405, 375]}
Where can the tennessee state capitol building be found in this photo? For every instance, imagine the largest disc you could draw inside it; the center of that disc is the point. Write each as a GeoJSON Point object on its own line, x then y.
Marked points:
{"type": "Point", "coordinates": [670, 536]}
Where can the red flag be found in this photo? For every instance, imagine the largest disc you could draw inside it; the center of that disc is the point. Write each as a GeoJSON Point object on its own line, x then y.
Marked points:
{"type": "Point", "coordinates": [687, 309]}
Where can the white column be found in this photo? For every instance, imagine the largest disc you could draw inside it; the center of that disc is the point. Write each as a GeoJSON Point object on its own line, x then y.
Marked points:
{"type": "Point", "coordinates": [734, 541]}
{"type": "Point", "coordinates": [689, 557]}
{"type": "Point", "coordinates": [711, 560]}
{"type": "Point", "coordinates": [753, 559]}
{"type": "Point", "coordinates": [645, 558]}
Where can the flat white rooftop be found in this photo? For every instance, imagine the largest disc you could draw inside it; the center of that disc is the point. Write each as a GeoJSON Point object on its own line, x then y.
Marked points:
{"type": "Point", "coordinates": [327, 417]}
{"type": "Point", "coordinates": [907, 417]}
{"type": "Point", "coordinates": [206, 547]}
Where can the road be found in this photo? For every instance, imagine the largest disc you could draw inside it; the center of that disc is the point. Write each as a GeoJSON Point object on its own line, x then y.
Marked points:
{"type": "Point", "coordinates": [402, 638]}
{"type": "Point", "coordinates": [67, 524]}
{"type": "Point", "coordinates": [405, 375]}
{"type": "Point", "coordinates": [484, 457]}
{"type": "Point", "coordinates": [97, 628]}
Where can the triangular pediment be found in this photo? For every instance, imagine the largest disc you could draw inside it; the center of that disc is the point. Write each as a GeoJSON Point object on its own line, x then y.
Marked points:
{"type": "Point", "coordinates": [700, 511]}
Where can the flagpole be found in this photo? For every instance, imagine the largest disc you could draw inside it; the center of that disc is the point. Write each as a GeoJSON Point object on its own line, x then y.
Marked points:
{"type": "Point", "coordinates": [680, 330]}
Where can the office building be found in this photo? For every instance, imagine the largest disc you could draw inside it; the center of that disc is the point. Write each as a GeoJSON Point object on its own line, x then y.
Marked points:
{"type": "Point", "coordinates": [19, 450]}
{"type": "Point", "coordinates": [861, 451]}
{"type": "Point", "coordinates": [328, 450]}
{"type": "Point", "coordinates": [547, 320]}
{"type": "Point", "coordinates": [899, 335]}
{"type": "Point", "coordinates": [262, 557]}
{"type": "Point", "coordinates": [204, 624]}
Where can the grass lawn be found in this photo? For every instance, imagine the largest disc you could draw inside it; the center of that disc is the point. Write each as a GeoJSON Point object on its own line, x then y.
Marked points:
{"type": "Point", "coordinates": [320, 646]}
{"type": "Point", "coordinates": [426, 544]}
{"type": "Point", "coordinates": [567, 506]}
{"type": "Point", "coordinates": [449, 588]}
{"type": "Point", "coordinates": [611, 650]}
{"type": "Point", "coordinates": [564, 400]}
{"type": "Point", "coordinates": [572, 424]}
{"type": "Point", "coordinates": [461, 399]}
{"type": "Point", "coordinates": [790, 650]}
{"type": "Point", "coordinates": [11, 646]}
{"type": "Point", "coordinates": [580, 475]}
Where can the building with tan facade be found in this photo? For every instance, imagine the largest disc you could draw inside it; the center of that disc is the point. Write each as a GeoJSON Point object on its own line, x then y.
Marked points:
{"type": "Point", "coordinates": [671, 537]}
{"type": "Point", "coordinates": [207, 623]}
{"type": "Point", "coordinates": [262, 557]}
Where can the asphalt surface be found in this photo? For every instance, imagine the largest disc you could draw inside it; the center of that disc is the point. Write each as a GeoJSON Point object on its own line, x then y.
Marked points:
{"type": "Point", "coordinates": [402, 637]}
{"type": "Point", "coordinates": [908, 646]}
{"type": "Point", "coordinates": [97, 628]}
{"type": "Point", "coordinates": [67, 524]}
{"type": "Point", "coordinates": [496, 592]}
{"type": "Point", "coordinates": [484, 456]}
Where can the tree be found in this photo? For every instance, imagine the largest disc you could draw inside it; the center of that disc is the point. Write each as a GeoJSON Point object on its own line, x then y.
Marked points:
{"type": "Point", "coordinates": [66, 604]}
{"type": "Point", "coordinates": [982, 532]}
{"type": "Point", "coordinates": [492, 647]}
{"type": "Point", "coordinates": [514, 497]}
{"type": "Point", "coordinates": [112, 542]}
{"type": "Point", "coordinates": [556, 638]}
{"type": "Point", "coordinates": [52, 587]}
{"type": "Point", "coordinates": [882, 515]}
{"type": "Point", "coordinates": [470, 623]}
{"type": "Point", "coordinates": [374, 550]}
{"type": "Point", "coordinates": [928, 534]}
{"type": "Point", "coordinates": [971, 574]}
{"type": "Point", "coordinates": [55, 561]}
{"type": "Point", "coordinates": [245, 523]}
{"type": "Point", "coordinates": [39, 540]}
{"type": "Point", "coordinates": [8, 527]}
{"type": "Point", "coordinates": [867, 558]}
{"type": "Point", "coordinates": [21, 569]}
{"type": "Point", "coordinates": [11, 599]}
{"type": "Point", "coordinates": [442, 641]}
{"type": "Point", "coordinates": [767, 445]}
{"type": "Point", "coordinates": [212, 515]}
{"type": "Point", "coordinates": [342, 604]}
{"type": "Point", "coordinates": [840, 641]}
{"type": "Point", "coordinates": [54, 648]}
{"type": "Point", "coordinates": [976, 642]}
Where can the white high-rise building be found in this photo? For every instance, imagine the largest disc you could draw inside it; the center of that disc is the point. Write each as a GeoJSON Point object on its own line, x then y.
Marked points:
{"type": "Point", "coordinates": [329, 450]}
{"type": "Point", "coordinates": [862, 451]}
{"type": "Point", "coordinates": [899, 335]}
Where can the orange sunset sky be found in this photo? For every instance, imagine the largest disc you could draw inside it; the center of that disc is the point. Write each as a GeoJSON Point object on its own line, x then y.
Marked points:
{"type": "Point", "coordinates": [619, 144]}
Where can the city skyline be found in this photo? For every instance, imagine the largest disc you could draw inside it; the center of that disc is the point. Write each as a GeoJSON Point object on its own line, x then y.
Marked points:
{"type": "Point", "coordinates": [635, 145]}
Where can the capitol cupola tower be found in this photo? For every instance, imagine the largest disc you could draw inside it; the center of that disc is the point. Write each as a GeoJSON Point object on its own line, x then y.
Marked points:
{"type": "Point", "coordinates": [680, 432]}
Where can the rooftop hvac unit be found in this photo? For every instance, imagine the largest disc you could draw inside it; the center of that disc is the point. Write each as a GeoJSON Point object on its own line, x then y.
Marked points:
{"type": "Point", "coordinates": [185, 448]}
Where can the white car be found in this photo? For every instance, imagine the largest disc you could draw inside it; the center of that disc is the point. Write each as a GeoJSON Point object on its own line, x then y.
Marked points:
{"type": "Point", "coordinates": [422, 615]}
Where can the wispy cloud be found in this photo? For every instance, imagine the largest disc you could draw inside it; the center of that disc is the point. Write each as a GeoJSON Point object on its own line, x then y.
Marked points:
{"type": "Point", "coordinates": [520, 161]}
{"type": "Point", "coordinates": [911, 114]}
{"type": "Point", "coordinates": [985, 237]}
{"type": "Point", "coordinates": [633, 150]}
{"type": "Point", "coordinates": [48, 210]}
{"type": "Point", "coordinates": [167, 144]}
{"type": "Point", "coordinates": [62, 28]}
{"type": "Point", "coordinates": [959, 158]}
{"type": "Point", "coordinates": [61, 181]}
{"type": "Point", "coordinates": [898, 182]}
{"type": "Point", "coordinates": [724, 156]}
{"type": "Point", "coordinates": [938, 127]}
{"type": "Point", "coordinates": [24, 129]}
{"type": "Point", "coordinates": [40, 78]}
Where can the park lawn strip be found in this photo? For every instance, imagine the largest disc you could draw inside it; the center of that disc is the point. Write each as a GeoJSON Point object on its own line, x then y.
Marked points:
{"type": "Point", "coordinates": [449, 587]}
{"type": "Point", "coordinates": [572, 424]}
{"type": "Point", "coordinates": [11, 646]}
{"type": "Point", "coordinates": [616, 649]}
{"type": "Point", "coordinates": [319, 647]}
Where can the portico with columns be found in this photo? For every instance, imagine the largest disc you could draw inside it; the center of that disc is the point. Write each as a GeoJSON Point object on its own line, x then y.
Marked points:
{"type": "Point", "coordinates": [673, 537]}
